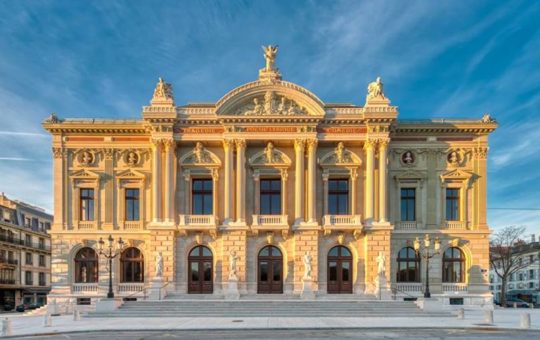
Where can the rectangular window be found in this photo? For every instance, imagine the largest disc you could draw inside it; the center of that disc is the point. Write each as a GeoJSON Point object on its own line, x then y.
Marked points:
{"type": "Point", "coordinates": [201, 195]}
{"type": "Point", "coordinates": [132, 204]}
{"type": "Point", "coordinates": [452, 204]}
{"type": "Point", "coordinates": [338, 196]}
{"type": "Point", "coordinates": [42, 279]}
{"type": "Point", "coordinates": [28, 222]}
{"type": "Point", "coordinates": [408, 204]}
{"type": "Point", "coordinates": [35, 224]}
{"type": "Point", "coordinates": [87, 204]}
{"type": "Point", "coordinates": [41, 243]}
{"type": "Point", "coordinates": [42, 260]}
{"type": "Point", "coordinates": [531, 274]}
{"type": "Point", "coordinates": [28, 240]}
{"type": "Point", "coordinates": [29, 259]}
{"type": "Point", "coordinates": [270, 196]}
{"type": "Point", "coordinates": [28, 278]}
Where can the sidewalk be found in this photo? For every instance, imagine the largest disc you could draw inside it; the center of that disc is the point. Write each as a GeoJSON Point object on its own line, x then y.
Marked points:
{"type": "Point", "coordinates": [28, 325]}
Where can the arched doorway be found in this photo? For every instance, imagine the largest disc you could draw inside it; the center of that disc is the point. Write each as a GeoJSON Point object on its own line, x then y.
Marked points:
{"type": "Point", "coordinates": [200, 271]}
{"type": "Point", "coordinates": [339, 271]}
{"type": "Point", "coordinates": [270, 271]}
{"type": "Point", "coordinates": [86, 266]}
{"type": "Point", "coordinates": [131, 265]}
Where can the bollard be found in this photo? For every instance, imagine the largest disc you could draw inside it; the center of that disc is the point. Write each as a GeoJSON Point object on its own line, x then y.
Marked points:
{"type": "Point", "coordinates": [47, 320]}
{"type": "Point", "coordinates": [461, 314]}
{"type": "Point", "coordinates": [526, 320]}
{"type": "Point", "coordinates": [531, 305]}
{"type": "Point", "coordinates": [6, 327]}
{"type": "Point", "coordinates": [76, 315]}
{"type": "Point", "coordinates": [488, 317]}
{"type": "Point", "coordinates": [515, 304]}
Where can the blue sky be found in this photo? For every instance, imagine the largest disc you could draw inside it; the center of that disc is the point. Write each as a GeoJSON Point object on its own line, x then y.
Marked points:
{"type": "Point", "coordinates": [437, 59]}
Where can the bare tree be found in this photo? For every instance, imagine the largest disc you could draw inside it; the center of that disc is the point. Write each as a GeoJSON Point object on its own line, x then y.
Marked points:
{"type": "Point", "coordinates": [504, 256]}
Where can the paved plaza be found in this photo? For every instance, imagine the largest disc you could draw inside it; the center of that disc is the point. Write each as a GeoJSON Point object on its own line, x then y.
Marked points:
{"type": "Point", "coordinates": [507, 319]}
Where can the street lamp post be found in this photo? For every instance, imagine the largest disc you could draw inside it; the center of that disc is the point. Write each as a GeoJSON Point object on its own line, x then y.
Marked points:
{"type": "Point", "coordinates": [110, 253]}
{"type": "Point", "coordinates": [424, 251]}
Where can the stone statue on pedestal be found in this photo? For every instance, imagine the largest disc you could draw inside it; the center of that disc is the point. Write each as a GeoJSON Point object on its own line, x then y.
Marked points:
{"type": "Point", "coordinates": [381, 262]}
{"type": "Point", "coordinates": [375, 89]}
{"type": "Point", "coordinates": [232, 265]}
{"type": "Point", "coordinates": [270, 53]}
{"type": "Point", "coordinates": [159, 265]}
{"type": "Point", "coordinates": [307, 266]}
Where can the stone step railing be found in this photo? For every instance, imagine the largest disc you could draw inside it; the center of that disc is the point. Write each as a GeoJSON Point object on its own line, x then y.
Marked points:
{"type": "Point", "coordinates": [276, 220]}
{"type": "Point", "coordinates": [85, 288]}
{"type": "Point", "coordinates": [342, 220]}
{"type": "Point", "coordinates": [454, 287]}
{"type": "Point", "coordinates": [130, 287]}
{"type": "Point", "coordinates": [198, 220]}
{"type": "Point", "coordinates": [406, 225]}
{"type": "Point", "coordinates": [409, 287]}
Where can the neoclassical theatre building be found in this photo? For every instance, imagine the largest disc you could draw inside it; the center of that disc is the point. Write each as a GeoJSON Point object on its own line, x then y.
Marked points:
{"type": "Point", "coordinates": [270, 173]}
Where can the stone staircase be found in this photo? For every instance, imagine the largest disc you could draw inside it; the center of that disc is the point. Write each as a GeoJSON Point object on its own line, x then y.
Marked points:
{"type": "Point", "coordinates": [267, 307]}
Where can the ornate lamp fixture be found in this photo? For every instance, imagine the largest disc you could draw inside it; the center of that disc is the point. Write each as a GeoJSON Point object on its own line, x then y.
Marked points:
{"type": "Point", "coordinates": [427, 251]}
{"type": "Point", "coordinates": [110, 253]}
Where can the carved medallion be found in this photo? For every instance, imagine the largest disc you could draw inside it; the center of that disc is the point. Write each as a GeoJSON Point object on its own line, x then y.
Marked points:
{"type": "Point", "coordinates": [408, 158]}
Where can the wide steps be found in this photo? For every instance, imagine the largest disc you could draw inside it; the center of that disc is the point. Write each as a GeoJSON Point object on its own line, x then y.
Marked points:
{"type": "Point", "coordinates": [270, 308]}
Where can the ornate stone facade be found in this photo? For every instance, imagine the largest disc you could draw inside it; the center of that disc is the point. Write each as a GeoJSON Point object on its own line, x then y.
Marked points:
{"type": "Point", "coordinates": [265, 130]}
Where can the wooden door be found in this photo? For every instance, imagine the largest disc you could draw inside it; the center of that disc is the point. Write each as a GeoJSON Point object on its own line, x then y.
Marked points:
{"type": "Point", "coordinates": [339, 271]}
{"type": "Point", "coordinates": [270, 271]}
{"type": "Point", "coordinates": [200, 271]}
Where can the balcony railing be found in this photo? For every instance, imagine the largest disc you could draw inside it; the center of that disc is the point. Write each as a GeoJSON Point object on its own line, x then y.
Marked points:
{"type": "Point", "coordinates": [7, 281]}
{"type": "Point", "coordinates": [130, 287]}
{"type": "Point", "coordinates": [197, 221]}
{"type": "Point", "coordinates": [455, 225]}
{"type": "Point", "coordinates": [17, 241]}
{"type": "Point", "coordinates": [8, 261]}
{"type": "Point", "coordinates": [132, 225]}
{"type": "Point", "coordinates": [85, 288]}
{"type": "Point", "coordinates": [454, 287]}
{"type": "Point", "coordinates": [342, 220]}
{"type": "Point", "coordinates": [406, 225]}
{"type": "Point", "coordinates": [87, 225]}
{"type": "Point", "coordinates": [270, 220]}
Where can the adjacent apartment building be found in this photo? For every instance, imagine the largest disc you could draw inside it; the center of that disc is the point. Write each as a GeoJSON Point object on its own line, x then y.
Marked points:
{"type": "Point", "coordinates": [25, 253]}
{"type": "Point", "coordinates": [525, 282]}
{"type": "Point", "coordinates": [271, 186]}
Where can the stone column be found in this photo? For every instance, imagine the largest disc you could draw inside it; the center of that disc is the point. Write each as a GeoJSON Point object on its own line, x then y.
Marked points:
{"type": "Point", "coordinates": [60, 208]}
{"type": "Point", "coordinates": [325, 177]}
{"type": "Point", "coordinates": [354, 176]}
{"type": "Point", "coordinates": [187, 197]}
{"type": "Point", "coordinates": [480, 165]}
{"type": "Point", "coordinates": [299, 181]}
{"type": "Point", "coordinates": [169, 180]}
{"type": "Point", "coordinates": [109, 204]}
{"type": "Point", "coordinates": [311, 185]}
{"type": "Point", "coordinates": [383, 146]}
{"type": "Point", "coordinates": [240, 180]}
{"type": "Point", "coordinates": [369, 194]}
{"type": "Point", "coordinates": [284, 177]}
{"type": "Point", "coordinates": [156, 180]}
{"type": "Point", "coordinates": [228, 191]}
{"type": "Point", "coordinates": [215, 179]}
{"type": "Point", "coordinates": [257, 191]}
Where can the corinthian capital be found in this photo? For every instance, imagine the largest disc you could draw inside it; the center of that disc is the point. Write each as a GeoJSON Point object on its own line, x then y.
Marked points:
{"type": "Point", "coordinates": [228, 144]}
{"type": "Point", "coordinates": [57, 152]}
{"type": "Point", "coordinates": [169, 144]}
{"type": "Point", "coordinates": [311, 144]}
{"type": "Point", "coordinates": [240, 143]}
{"type": "Point", "coordinates": [370, 143]}
{"type": "Point", "coordinates": [480, 152]}
{"type": "Point", "coordinates": [299, 144]}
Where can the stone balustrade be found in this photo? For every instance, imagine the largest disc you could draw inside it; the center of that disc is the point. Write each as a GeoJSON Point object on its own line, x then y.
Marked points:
{"type": "Point", "coordinates": [454, 287]}
{"type": "Point", "coordinates": [406, 225]}
{"type": "Point", "coordinates": [342, 220]}
{"type": "Point", "coordinates": [455, 225]}
{"type": "Point", "coordinates": [85, 288]}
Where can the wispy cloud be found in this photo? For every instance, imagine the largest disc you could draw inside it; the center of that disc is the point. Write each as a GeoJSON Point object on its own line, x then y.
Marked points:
{"type": "Point", "coordinates": [27, 134]}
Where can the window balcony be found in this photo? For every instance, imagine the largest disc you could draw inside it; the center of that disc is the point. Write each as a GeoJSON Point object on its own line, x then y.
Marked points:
{"type": "Point", "coordinates": [455, 225]}
{"type": "Point", "coordinates": [454, 287]}
{"type": "Point", "coordinates": [86, 225]}
{"type": "Point", "coordinates": [132, 225]}
{"type": "Point", "coordinates": [270, 221]}
{"type": "Point", "coordinates": [197, 222]}
{"type": "Point", "coordinates": [85, 288]}
{"type": "Point", "coordinates": [342, 222]}
{"type": "Point", "coordinates": [406, 225]}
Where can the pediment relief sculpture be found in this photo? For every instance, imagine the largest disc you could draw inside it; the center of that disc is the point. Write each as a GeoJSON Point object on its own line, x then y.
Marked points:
{"type": "Point", "coordinates": [340, 156]}
{"type": "Point", "coordinates": [270, 156]}
{"type": "Point", "coordinates": [272, 104]}
{"type": "Point", "coordinates": [200, 156]}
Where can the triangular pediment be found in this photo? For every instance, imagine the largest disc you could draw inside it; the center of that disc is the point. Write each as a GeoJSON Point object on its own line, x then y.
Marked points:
{"type": "Point", "coordinates": [456, 174]}
{"type": "Point", "coordinates": [200, 156]}
{"type": "Point", "coordinates": [410, 174]}
{"type": "Point", "coordinates": [85, 174]}
{"type": "Point", "coordinates": [130, 174]}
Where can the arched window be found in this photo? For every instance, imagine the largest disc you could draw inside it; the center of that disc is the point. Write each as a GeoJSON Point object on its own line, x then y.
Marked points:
{"type": "Point", "coordinates": [453, 265]}
{"type": "Point", "coordinates": [86, 266]}
{"type": "Point", "coordinates": [408, 264]}
{"type": "Point", "coordinates": [132, 265]}
{"type": "Point", "coordinates": [339, 271]}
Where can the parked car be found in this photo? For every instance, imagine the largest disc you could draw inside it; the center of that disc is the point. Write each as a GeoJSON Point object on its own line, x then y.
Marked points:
{"type": "Point", "coordinates": [21, 308]}
{"type": "Point", "coordinates": [8, 307]}
{"type": "Point", "coordinates": [518, 302]}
